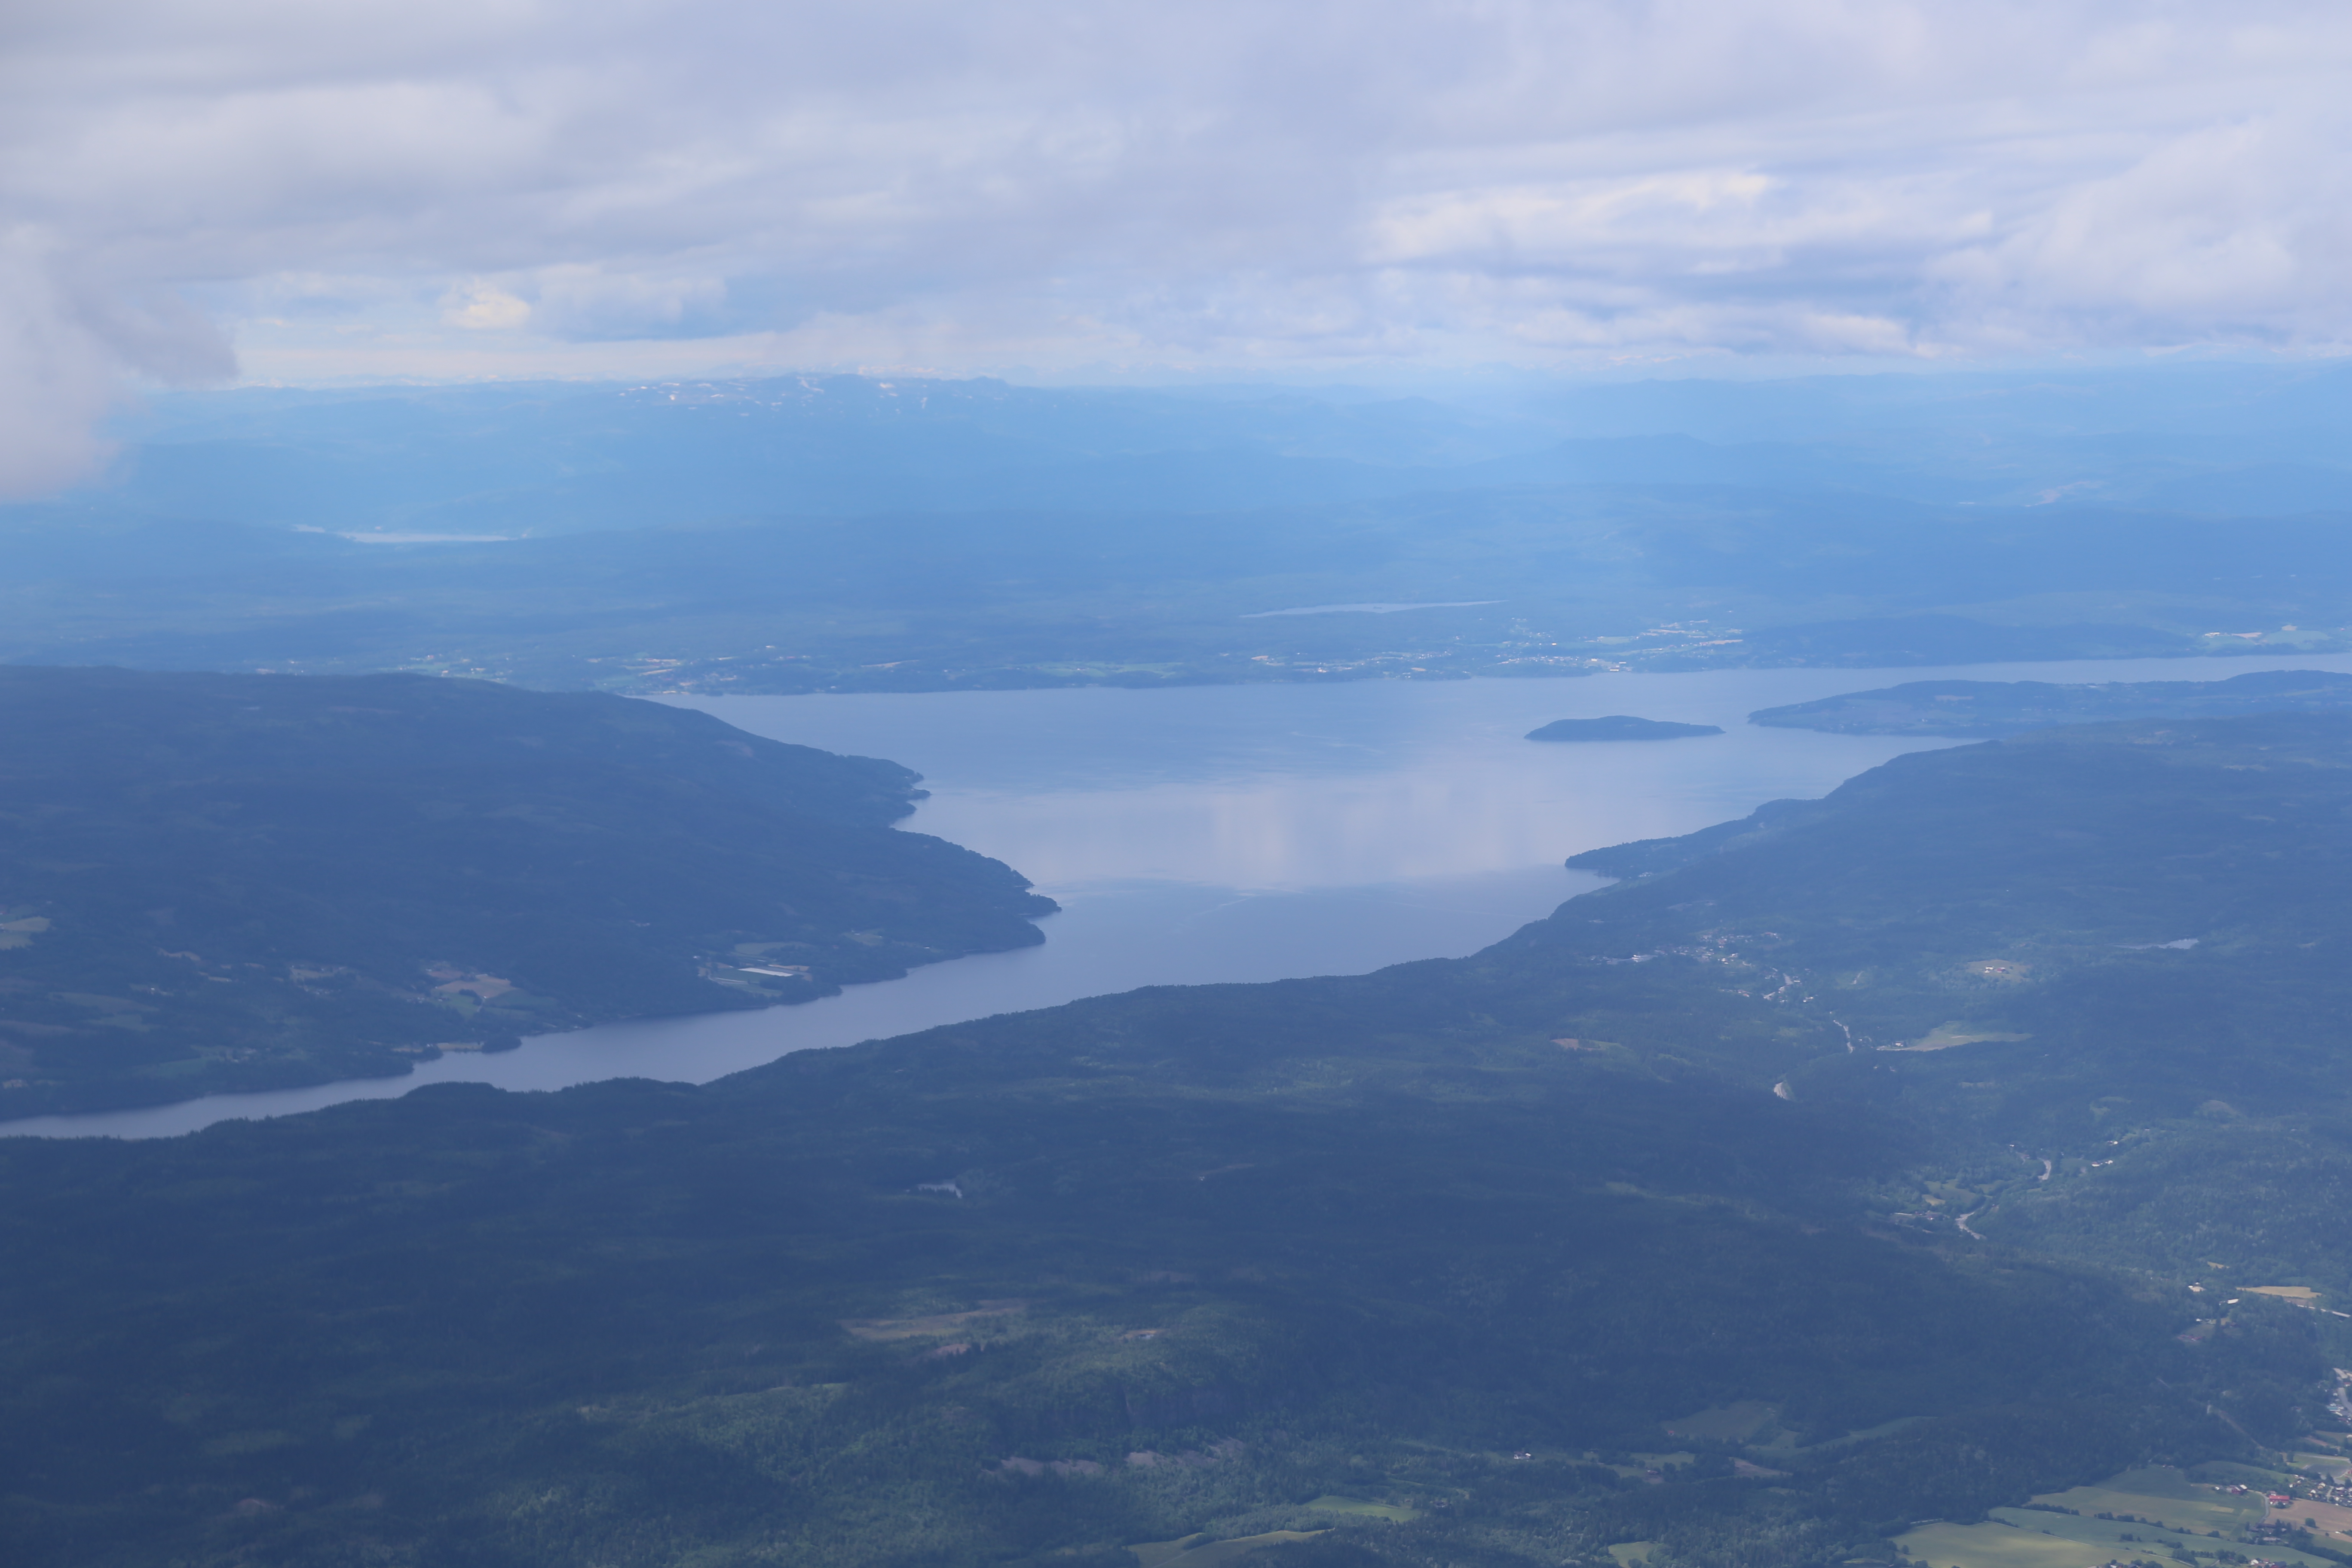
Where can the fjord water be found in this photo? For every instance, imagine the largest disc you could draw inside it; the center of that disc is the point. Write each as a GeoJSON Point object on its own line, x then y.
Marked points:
{"type": "Point", "coordinates": [1224, 834]}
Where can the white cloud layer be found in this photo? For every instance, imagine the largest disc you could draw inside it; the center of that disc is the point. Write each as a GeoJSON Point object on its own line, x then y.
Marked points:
{"type": "Point", "coordinates": [451, 188]}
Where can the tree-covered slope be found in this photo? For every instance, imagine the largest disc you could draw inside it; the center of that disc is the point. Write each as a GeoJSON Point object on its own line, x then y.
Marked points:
{"type": "Point", "coordinates": [216, 881]}
{"type": "Point", "coordinates": [2112, 965]}
{"type": "Point", "coordinates": [2153, 908]}
{"type": "Point", "coordinates": [1031, 1290]}
{"type": "Point", "coordinates": [1437, 1261]}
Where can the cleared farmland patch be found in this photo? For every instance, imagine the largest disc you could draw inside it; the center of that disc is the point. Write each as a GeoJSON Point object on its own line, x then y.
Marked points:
{"type": "Point", "coordinates": [1195, 1551]}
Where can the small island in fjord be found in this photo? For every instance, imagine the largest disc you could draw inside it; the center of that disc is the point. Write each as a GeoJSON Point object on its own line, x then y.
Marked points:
{"type": "Point", "coordinates": [1620, 727]}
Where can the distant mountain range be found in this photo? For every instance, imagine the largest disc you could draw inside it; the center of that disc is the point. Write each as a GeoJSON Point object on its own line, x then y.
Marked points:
{"type": "Point", "coordinates": [2234, 439]}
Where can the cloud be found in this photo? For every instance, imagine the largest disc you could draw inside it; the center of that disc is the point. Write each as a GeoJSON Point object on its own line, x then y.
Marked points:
{"type": "Point", "coordinates": [431, 188]}
{"type": "Point", "coordinates": [2240, 229]}
{"type": "Point", "coordinates": [68, 343]}
{"type": "Point", "coordinates": [482, 308]}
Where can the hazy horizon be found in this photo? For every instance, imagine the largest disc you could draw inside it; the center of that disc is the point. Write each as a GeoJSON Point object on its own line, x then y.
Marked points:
{"type": "Point", "coordinates": [435, 192]}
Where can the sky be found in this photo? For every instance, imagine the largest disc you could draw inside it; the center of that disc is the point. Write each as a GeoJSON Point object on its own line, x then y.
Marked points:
{"type": "Point", "coordinates": [312, 191]}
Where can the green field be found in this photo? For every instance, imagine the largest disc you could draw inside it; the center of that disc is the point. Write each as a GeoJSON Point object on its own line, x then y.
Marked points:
{"type": "Point", "coordinates": [1394, 1513]}
{"type": "Point", "coordinates": [2165, 1509]}
{"type": "Point", "coordinates": [1995, 1546]}
{"type": "Point", "coordinates": [2025, 1538]}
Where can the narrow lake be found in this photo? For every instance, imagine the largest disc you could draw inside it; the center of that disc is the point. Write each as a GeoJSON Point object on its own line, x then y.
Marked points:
{"type": "Point", "coordinates": [1211, 834]}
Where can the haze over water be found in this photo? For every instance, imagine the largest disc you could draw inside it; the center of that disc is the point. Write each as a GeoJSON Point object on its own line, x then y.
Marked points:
{"type": "Point", "coordinates": [1233, 834]}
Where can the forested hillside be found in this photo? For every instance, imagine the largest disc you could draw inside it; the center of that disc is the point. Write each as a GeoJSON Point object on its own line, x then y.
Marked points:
{"type": "Point", "coordinates": [1738, 1210]}
{"type": "Point", "coordinates": [223, 881]}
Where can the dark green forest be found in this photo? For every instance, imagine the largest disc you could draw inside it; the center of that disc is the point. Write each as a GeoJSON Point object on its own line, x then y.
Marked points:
{"type": "Point", "coordinates": [237, 881]}
{"type": "Point", "coordinates": [1912, 1123]}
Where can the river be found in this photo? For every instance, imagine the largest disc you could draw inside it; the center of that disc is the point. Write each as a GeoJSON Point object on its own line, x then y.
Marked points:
{"type": "Point", "coordinates": [1225, 833]}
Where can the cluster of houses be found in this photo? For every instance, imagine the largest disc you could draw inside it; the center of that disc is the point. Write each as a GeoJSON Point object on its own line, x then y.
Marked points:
{"type": "Point", "coordinates": [2319, 1486]}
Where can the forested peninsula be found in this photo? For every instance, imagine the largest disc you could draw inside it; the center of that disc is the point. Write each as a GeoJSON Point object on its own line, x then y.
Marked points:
{"type": "Point", "coordinates": [213, 882]}
{"type": "Point", "coordinates": [1979, 710]}
{"type": "Point", "coordinates": [1836, 1178]}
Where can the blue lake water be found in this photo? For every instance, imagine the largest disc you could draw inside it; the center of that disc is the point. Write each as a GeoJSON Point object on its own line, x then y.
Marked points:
{"type": "Point", "coordinates": [1210, 834]}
